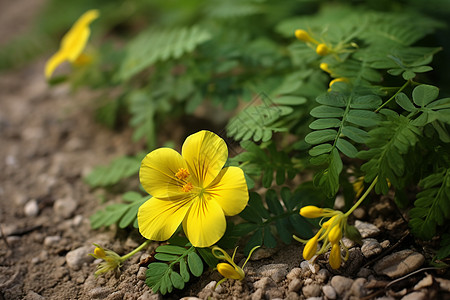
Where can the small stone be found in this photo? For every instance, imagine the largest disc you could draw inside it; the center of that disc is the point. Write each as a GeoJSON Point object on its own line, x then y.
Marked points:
{"type": "Point", "coordinates": [359, 213]}
{"type": "Point", "coordinates": [77, 220]}
{"type": "Point", "coordinates": [258, 294]}
{"type": "Point", "coordinates": [314, 298]}
{"type": "Point", "coordinates": [364, 272]}
{"type": "Point", "coordinates": [207, 291]}
{"type": "Point", "coordinates": [415, 296]}
{"type": "Point", "coordinates": [52, 240]}
{"type": "Point", "coordinates": [275, 271]}
{"type": "Point", "coordinates": [384, 244]}
{"type": "Point", "coordinates": [141, 273]}
{"type": "Point", "coordinates": [312, 290]}
{"type": "Point", "coordinates": [329, 292]}
{"type": "Point", "coordinates": [444, 284]}
{"type": "Point", "coordinates": [339, 202]}
{"type": "Point", "coordinates": [100, 292]}
{"type": "Point", "coordinates": [65, 207]}
{"type": "Point", "coordinates": [262, 253]}
{"type": "Point", "coordinates": [76, 258]}
{"type": "Point", "coordinates": [294, 273]}
{"type": "Point", "coordinates": [274, 294]}
{"type": "Point", "coordinates": [295, 285]}
{"type": "Point", "coordinates": [33, 296]}
{"type": "Point", "coordinates": [148, 295]}
{"type": "Point", "coordinates": [13, 240]}
{"type": "Point", "coordinates": [399, 263]}
{"type": "Point", "coordinates": [348, 242]}
{"type": "Point", "coordinates": [263, 283]}
{"type": "Point", "coordinates": [371, 247]}
{"type": "Point", "coordinates": [341, 284]}
{"type": "Point", "coordinates": [322, 275]}
{"type": "Point", "coordinates": [31, 208]}
{"type": "Point", "coordinates": [357, 289]}
{"type": "Point", "coordinates": [292, 296]}
{"type": "Point", "coordinates": [425, 282]}
{"type": "Point", "coordinates": [306, 265]}
{"type": "Point", "coordinates": [117, 295]}
{"type": "Point", "coordinates": [366, 229]}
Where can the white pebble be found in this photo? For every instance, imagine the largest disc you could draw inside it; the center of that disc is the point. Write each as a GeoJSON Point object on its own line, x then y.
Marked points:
{"type": "Point", "coordinates": [31, 208]}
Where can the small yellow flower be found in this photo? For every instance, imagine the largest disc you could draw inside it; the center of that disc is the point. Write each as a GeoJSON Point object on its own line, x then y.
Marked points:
{"type": "Point", "coordinates": [192, 189]}
{"type": "Point", "coordinates": [340, 79]}
{"type": "Point", "coordinates": [230, 270]}
{"type": "Point", "coordinates": [358, 186]}
{"type": "Point", "coordinates": [73, 43]}
{"type": "Point", "coordinates": [312, 211]}
{"type": "Point", "coordinates": [311, 247]}
{"type": "Point", "coordinates": [335, 256]}
{"type": "Point", "coordinates": [111, 260]}
{"type": "Point", "coordinates": [322, 49]}
{"type": "Point", "coordinates": [304, 36]}
{"type": "Point", "coordinates": [324, 67]}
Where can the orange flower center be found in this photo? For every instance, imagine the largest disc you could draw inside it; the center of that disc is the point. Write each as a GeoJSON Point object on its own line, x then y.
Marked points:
{"type": "Point", "coordinates": [187, 187]}
{"type": "Point", "coordinates": [182, 174]}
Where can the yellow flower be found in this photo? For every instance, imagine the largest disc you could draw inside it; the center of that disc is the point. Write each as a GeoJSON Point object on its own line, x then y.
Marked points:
{"type": "Point", "coordinates": [73, 43]}
{"type": "Point", "coordinates": [358, 186]}
{"type": "Point", "coordinates": [230, 270]}
{"type": "Point", "coordinates": [330, 234]}
{"type": "Point", "coordinates": [322, 49]}
{"type": "Point", "coordinates": [111, 260]}
{"type": "Point", "coordinates": [325, 67]}
{"type": "Point", "coordinates": [340, 79]}
{"type": "Point", "coordinates": [193, 189]}
{"type": "Point", "coordinates": [304, 36]}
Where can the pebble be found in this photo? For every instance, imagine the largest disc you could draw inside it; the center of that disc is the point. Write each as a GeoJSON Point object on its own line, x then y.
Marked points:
{"type": "Point", "coordinates": [339, 202]}
{"type": "Point", "coordinates": [444, 284]}
{"type": "Point", "coordinates": [294, 273]}
{"type": "Point", "coordinates": [425, 282]}
{"type": "Point", "coordinates": [77, 220]}
{"type": "Point", "coordinates": [100, 292]}
{"type": "Point", "coordinates": [262, 253]}
{"type": "Point", "coordinates": [366, 229]}
{"type": "Point", "coordinates": [415, 296]}
{"type": "Point", "coordinates": [371, 247]}
{"type": "Point", "coordinates": [292, 296]}
{"type": "Point", "coordinates": [76, 258]}
{"type": "Point", "coordinates": [364, 272]}
{"type": "Point", "coordinates": [117, 295]}
{"type": "Point", "coordinates": [148, 295]}
{"type": "Point", "coordinates": [348, 242]}
{"type": "Point", "coordinates": [312, 290]}
{"type": "Point", "coordinates": [359, 213]}
{"type": "Point", "coordinates": [384, 244]}
{"type": "Point", "coordinates": [357, 289]}
{"type": "Point", "coordinates": [263, 283]}
{"type": "Point", "coordinates": [295, 285]}
{"type": "Point", "coordinates": [141, 273]}
{"type": "Point", "coordinates": [65, 207]}
{"type": "Point", "coordinates": [275, 271]}
{"type": "Point", "coordinates": [322, 275]}
{"type": "Point", "coordinates": [306, 265]}
{"type": "Point", "coordinates": [399, 263]}
{"type": "Point", "coordinates": [51, 240]}
{"type": "Point", "coordinates": [258, 294]}
{"type": "Point", "coordinates": [33, 296]}
{"type": "Point", "coordinates": [329, 292]}
{"type": "Point", "coordinates": [31, 208]}
{"type": "Point", "coordinates": [274, 294]}
{"type": "Point", "coordinates": [207, 291]}
{"type": "Point", "coordinates": [341, 284]}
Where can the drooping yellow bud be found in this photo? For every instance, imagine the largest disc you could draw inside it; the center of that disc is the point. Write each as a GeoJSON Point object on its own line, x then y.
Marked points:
{"type": "Point", "coordinates": [99, 252]}
{"type": "Point", "coordinates": [322, 49]}
{"type": "Point", "coordinates": [302, 35]}
{"type": "Point", "coordinates": [335, 235]}
{"type": "Point", "coordinates": [335, 256]}
{"type": "Point", "coordinates": [311, 247]}
{"type": "Point", "coordinates": [329, 222]}
{"type": "Point", "coordinates": [324, 67]}
{"type": "Point", "coordinates": [228, 271]}
{"type": "Point", "coordinates": [340, 79]}
{"type": "Point", "coordinates": [311, 211]}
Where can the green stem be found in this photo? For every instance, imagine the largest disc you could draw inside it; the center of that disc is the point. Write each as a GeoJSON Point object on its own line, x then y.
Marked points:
{"type": "Point", "coordinates": [127, 256]}
{"type": "Point", "coordinates": [393, 96]}
{"type": "Point", "coordinates": [362, 197]}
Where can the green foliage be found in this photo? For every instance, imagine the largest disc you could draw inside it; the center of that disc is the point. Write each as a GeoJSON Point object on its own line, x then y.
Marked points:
{"type": "Point", "coordinates": [163, 277]}
{"type": "Point", "coordinates": [265, 223]}
{"type": "Point", "coordinates": [432, 206]}
{"type": "Point", "coordinates": [120, 168]}
{"type": "Point", "coordinates": [445, 247]}
{"type": "Point", "coordinates": [122, 214]}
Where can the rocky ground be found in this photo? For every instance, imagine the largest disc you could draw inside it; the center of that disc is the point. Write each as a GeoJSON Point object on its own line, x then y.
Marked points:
{"type": "Point", "coordinates": [49, 141]}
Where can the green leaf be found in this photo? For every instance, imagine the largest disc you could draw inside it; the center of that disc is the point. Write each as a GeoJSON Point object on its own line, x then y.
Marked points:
{"type": "Point", "coordinates": [165, 257]}
{"type": "Point", "coordinates": [424, 94]}
{"type": "Point", "coordinates": [325, 123]}
{"type": "Point", "coordinates": [177, 280]}
{"type": "Point", "coordinates": [171, 249]}
{"type": "Point", "coordinates": [405, 103]}
{"type": "Point", "coordinates": [269, 239]}
{"type": "Point", "coordinates": [195, 264]}
{"type": "Point", "coordinates": [320, 149]}
{"type": "Point", "coordinates": [346, 148]}
{"type": "Point", "coordinates": [184, 271]}
{"type": "Point", "coordinates": [290, 100]}
{"type": "Point", "coordinates": [355, 134]}
{"type": "Point", "coordinates": [362, 118]}
{"type": "Point", "coordinates": [320, 136]}
{"type": "Point", "coordinates": [324, 111]}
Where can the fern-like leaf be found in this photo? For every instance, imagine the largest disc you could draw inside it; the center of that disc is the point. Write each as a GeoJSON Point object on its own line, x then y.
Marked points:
{"type": "Point", "coordinates": [432, 206]}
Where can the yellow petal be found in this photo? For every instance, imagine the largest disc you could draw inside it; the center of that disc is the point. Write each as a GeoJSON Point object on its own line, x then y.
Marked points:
{"type": "Point", "coordinates": [335, 256]}
{"type": "Point", "coordinates": [76, 38]}
{"type": "Point", "coordinates": [335, 234]}
{"type": "Point", "coordinates": [205, 154]}
{"type": "Point", "coordinates": [53, 62]}
{"type": "Point", "coordinates": [311, 247]}
{"type": "Point", "coordinates": [205, 222]}
{"type": "Point", "coordinates": [229, 189]}
{"type": "Point", "coordinates": [158, 219]}
{"type": "Point", "coordinates": [311, 211]}
{"type": "Point", "coordinates": [228, 271]}
{"type": "Point", "coordinates": [157, 174]}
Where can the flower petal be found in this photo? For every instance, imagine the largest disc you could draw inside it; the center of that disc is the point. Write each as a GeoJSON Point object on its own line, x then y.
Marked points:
{"type": "Point", "coordinates": [227, 271]}
{"type": "Point", "coordinates": [229, 189]}
{"type": "Point", "coordinates": [158, 219]}
{"type": "Point", "coordinates": [157, 174]}
{"type": "Point", "coordinates": [206, 154]}
{"type": "Point", "coordinates": [205, 222]}
{"type": "Point", "coordinates": [53, 62]}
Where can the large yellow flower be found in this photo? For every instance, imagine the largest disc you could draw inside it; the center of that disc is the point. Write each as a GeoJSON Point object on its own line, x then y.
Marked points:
{"type": "Point", "coordinates": [193, 189]}
{"type": "Point", "coordinates": [73, 42]}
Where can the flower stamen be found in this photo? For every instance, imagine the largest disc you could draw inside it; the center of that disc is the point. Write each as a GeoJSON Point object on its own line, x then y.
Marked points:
{"type": "Point", "coordinates": [182, 174]}
{"type": "Point", "coordinates": [187, 187]}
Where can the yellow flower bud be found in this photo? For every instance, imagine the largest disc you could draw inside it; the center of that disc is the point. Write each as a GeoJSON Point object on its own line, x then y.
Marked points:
{"type": "Point", "coordinates": [329, 222]}
{"type": "Point", "coordinates": [311, 211]}
{"type": "Point", "coordinates": [324, 67]}
{"type": "Point", "coordinates": [228, 271]}
{"type": "Point", "coordinates": [99, 252]}
{"type": "Point", "coordinates": [335, 256]}
{"type": "Point", "coordinates": [302, 35]}
{"type": "Point", "coordinates": [322, 49]}
{"type": "Point", "coordinates": [335, 234]}
{"type": "Point", "coordinates": [340, 79]}
{"type": "Point", "coordinates": [311, 247]}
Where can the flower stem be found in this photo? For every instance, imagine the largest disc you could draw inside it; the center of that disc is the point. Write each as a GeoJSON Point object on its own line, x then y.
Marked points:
{"type": "Point", "coordinates": [362, 197]}
{"type": "Point", "coordinates": [393, 96]}
{"type": "Point", "coordinates": [127, 256]}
